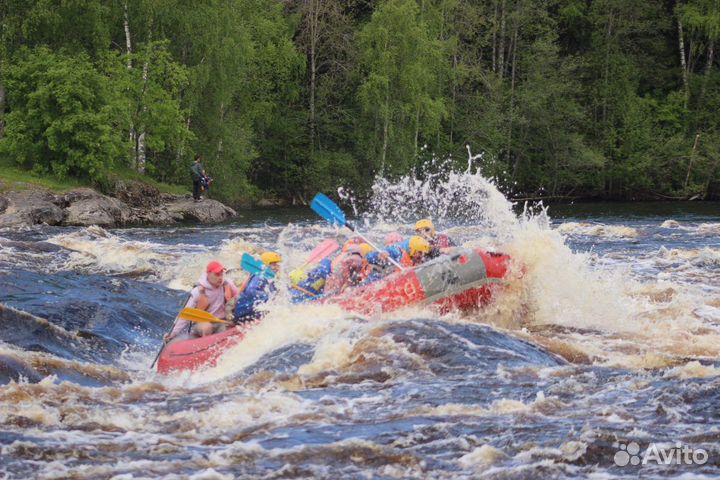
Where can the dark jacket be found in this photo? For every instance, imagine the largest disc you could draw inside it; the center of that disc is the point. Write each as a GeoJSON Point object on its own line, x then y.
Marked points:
{"type": "Point", "coordinates": [196, 171]}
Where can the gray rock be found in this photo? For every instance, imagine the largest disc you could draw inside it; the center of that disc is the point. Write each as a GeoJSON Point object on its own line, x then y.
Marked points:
{"type": "Point", "coordinates": [29, 207]}
{"type": "Point", "coordinates": [87, 207]}
{"type": "Point", "coordinates": [185, 209]}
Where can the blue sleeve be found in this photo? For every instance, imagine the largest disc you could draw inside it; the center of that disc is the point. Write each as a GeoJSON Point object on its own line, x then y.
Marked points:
{"type": "Point", "coordinates": [393, 252]}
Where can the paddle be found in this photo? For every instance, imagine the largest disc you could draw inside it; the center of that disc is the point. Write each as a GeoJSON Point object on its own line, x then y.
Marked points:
{"type": "Point", "coordinates": [328, 210]}
{"type": "Point", "coordinates": [325, 248]}
{"type": "Point", "coordinates": [255, 267]}
{"type": "Point", "coordinates": [171, 329]}
{"type": "Point", "coordinates": [200, 316]}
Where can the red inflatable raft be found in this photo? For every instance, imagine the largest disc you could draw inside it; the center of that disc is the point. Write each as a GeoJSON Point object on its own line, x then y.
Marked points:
{"type": "Point", "coordinates": [463, 280]}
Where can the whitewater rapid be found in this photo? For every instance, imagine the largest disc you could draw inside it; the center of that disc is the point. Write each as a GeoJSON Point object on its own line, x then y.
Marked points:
{"type": "Point", "coordinates": [606, 334]}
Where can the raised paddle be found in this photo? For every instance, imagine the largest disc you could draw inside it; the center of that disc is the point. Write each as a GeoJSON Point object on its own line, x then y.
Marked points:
{"type": "Point", "coordinates": [328, 210]}
{"type": "Point", "coordinates": [254, 266]}
{"type": "Point", "coordinates": [324, 248]}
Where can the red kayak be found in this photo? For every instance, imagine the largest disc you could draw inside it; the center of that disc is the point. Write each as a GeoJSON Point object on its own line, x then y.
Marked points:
{"type": "Point", "coordinates": [463, 280]}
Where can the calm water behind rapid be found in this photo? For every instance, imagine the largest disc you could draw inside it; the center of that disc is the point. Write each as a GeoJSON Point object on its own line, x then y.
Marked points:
{"type": "Point", "coordinates": [611, 335]}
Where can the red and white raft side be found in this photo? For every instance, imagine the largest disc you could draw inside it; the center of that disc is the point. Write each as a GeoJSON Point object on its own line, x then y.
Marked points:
{"type": "Point", "coordinates": [194, 353]}
{"type": "Point", "coordinates": [463, 280]}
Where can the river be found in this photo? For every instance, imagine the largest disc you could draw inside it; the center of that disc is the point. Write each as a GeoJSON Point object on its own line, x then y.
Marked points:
{"type": "Point", "coordinates": [600, 358]}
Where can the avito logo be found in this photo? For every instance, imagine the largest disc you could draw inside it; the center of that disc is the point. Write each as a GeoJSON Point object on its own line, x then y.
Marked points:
{"type": "Point", "coordinates": [658, 454]}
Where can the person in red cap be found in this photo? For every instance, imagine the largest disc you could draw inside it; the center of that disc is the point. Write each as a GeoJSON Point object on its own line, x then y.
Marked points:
{"type": "Point", "coordinates": [212, 293]}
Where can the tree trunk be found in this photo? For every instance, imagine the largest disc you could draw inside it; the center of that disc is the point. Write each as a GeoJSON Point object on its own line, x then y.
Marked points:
{"type": "Point", "coordinates": [128, 43]}
{"type": "Point", "coordinates": [708, 68]}
{"type": "Point", "coordinates": [501, 47]}
{"type": "Point", "coordinates": [683, 63]}
{"type": "Point", "coordinates": [218, 155]}
{"type": "Point", "coordinates": [313, 16]}
{"type": "Point", "coordinates": [607, 69]}
{"type": "Point", "coordinates": [709, 177]}
{"type": "Point", "coordinates": [494, 39]}
{"type": "Point", "coordinates": [386, 128]}
{"type": "Point", "coordinates": [512, 92]}
{"type": "Point", "coordinates": [2, 110]}
{"type": "Point", "coordinates": [417, 129]}
{"type": "Point", "coordinates": [692, 157]}
{"type": "Point", "coordinates": [454, 97]}
{"type": "Point", "coordinates": [140, 155]}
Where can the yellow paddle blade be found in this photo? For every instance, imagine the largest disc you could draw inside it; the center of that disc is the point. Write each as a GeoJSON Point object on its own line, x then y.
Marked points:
{"type": "Point", "coordinates": [201, 316]}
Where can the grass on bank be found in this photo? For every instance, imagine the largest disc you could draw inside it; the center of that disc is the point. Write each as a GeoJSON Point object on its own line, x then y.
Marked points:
{"type": "Point", "coordinates": [14, 178]}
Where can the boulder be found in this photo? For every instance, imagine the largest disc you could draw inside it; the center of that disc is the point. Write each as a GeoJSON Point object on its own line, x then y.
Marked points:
{"type": "Point", "coordinates": [87, 207]}
{"type": "Point", "coordinates": [29, 207]}
{"type": "Point", "coordinates": [137, 194]}
{"type": "Point", "coordinates": [185, 209]}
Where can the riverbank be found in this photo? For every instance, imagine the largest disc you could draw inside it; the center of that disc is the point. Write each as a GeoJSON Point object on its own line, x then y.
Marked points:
{"type": "Point", "coordinates": [131, 203]}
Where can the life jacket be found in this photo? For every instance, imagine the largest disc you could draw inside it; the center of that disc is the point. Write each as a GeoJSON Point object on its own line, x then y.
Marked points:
{"type": "Point", "coordinates": [227, 289]}
{"type": "Point", "coordinates": [360, 276]}
{"type": "Point", "coordinates": [314, 283]}
{"type": "Point", "coordinates": [230, 298]}
{"type": "Point", "coordinates": [257, 290]}
{"type": "Point", "coordinates": [442, 241]}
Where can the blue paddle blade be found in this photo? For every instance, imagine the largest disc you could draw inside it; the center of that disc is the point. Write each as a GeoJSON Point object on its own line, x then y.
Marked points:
{"type": "Point", "coordinates": [327, 209]}
{"type": "Point", "coordinates": [254, 266]}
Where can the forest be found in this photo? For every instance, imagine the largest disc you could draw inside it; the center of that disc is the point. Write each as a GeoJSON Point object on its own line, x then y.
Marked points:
{"type": "Point", "coordinates": [606, 99]}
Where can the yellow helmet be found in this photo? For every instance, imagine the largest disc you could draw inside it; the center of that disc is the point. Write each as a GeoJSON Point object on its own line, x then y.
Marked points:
{"type": "Point", "coordinates": [425, 223]}
{"type": "Point", "coordinates": [418, 244]}
{"type": "Point", "coordinates": [268, 258]}
{"type": "Point", "coordinates": [366, 248]}
{"type": "Point", "coordinates": [298, 275]}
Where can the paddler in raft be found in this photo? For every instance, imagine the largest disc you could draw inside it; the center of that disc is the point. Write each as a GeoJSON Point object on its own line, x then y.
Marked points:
{"type": "Point", "coordinates": [211, 294]}
{"type": "Point", "coordinates": [439, 242]}
{"type": "Point", "coordinates": [348, 269]}
{"type": "Point", "coordinates": [408, 253]}
{"type": "Point", "coordinates": [257, 290]}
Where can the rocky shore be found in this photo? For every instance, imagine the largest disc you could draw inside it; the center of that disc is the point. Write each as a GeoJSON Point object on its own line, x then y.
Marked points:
{"type": "Point", "coordinates": [131, 204]}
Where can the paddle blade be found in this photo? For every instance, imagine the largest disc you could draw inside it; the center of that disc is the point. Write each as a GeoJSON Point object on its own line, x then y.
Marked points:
{"type": "Point", "coordinates": [255, 267]}
{"type": "Point", "coordinates": [328, 210]}
{"type": "Point", "coordinates": [325, 248]}
{"type": "Point", "coordinates": [200, 316]}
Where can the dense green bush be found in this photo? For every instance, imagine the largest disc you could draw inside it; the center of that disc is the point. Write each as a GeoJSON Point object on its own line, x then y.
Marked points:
{"type": "Point", "coordinates": [63, 117]}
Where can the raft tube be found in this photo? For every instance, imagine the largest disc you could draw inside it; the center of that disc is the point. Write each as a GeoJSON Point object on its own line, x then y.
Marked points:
{"type": "Point", "coordinates": [194, 353]}
{"type": "Point", "coordinates": [462, 280]}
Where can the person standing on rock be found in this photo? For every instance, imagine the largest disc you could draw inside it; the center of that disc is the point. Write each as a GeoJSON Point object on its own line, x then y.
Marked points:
{"type": "Point", "coordinates": [197, 171]}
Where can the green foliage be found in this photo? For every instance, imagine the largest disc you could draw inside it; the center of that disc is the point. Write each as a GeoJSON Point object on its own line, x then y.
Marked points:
{"type": "Point", "coordinates": [397, 93]}
{"type": "Point", "coordinates": [564, 97]}
{"type": "Point", "coordinates": [61, 118]}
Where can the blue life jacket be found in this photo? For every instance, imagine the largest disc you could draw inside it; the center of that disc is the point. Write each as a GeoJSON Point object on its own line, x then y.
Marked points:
{"type": "Point", "coordinates": [314, 284]}
{"type": "Point", "coordinates": [257, 291]}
